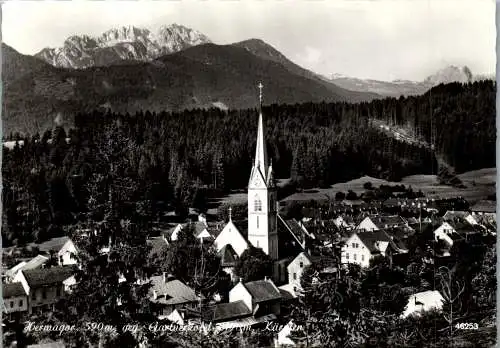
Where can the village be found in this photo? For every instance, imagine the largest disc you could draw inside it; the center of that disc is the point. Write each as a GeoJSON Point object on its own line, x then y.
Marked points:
{"type": "Point", "coordinates": [394, 226]}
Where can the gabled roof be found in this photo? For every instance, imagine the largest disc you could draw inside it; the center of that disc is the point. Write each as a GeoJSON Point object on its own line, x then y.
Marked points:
{"type": "Point", "coordinates": [455, 214]}
{"type": "Point", "coordinates": [228, 311]}
{"type": "Point", "coordinates": [293, 228]}
{"type": "Point", "coordinates": [462, 227]}
{"type": "Point", "coordinates": [384, 221]}
{"type": "Point", "coordinates": [48, 276]}
{"type": "Point", "coordinates": [54, 244]}
{"type": "Point", "coordinates": [13, 290]}
{"type": "Point", "coordinates": [262, 290]}
{"type": "Point", "coordinates": [370, 239]}
{"type": "Point", "coordinates": [172, 291]}
{"type": "Point", "coordinates": [485, 206]}
{"type": "Point", "coordinates": [242, 226]}
{"type": "Point", "coordinates": [228, 256]}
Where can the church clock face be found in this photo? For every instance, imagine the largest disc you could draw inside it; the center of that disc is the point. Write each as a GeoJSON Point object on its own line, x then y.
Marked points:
{"type": "Point", "coordinates": [256, 181]}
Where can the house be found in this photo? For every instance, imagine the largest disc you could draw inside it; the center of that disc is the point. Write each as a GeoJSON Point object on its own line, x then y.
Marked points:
{"type": "Point", "coordinates": [45, 286]}
{"type": "Point", "coordinates": [297, 267]}
{"type": "Point", "coordinates": [361, 247]}
{"type": "Point", "coordinates": [379, 222]}
{"type": "Point", "coordinates": [170, 294]}
{"type": "Point", "coordinates": [226, 312]}
{"type": "Point", "coordinates": [450, 232]}
{"type": "Point", "coordinates": [423, 301]}
{"type": "Point", "coordinates": [484, 207]}
{"type": "Point", "coordinates": [52, 246]}
{"type": "Point", "coordinates": [262, 297]}
{"type": "Point", "coordinates": [452, 215]}
{"type": "Point", "coordinates": [37, 262]}
{"type": "Point", "coordinates": [344, 222]}
{"type": "Point", "coordinates": [66, 254]}
{"type": "Point", "coordinates": [249, 304]}
{"type": "Point", "coordinates": [15, 299]}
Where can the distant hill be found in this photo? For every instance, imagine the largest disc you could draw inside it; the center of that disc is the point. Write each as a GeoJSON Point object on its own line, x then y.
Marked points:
{"type": "Point", "coordinates": [265, 51]}
{"type": "Point", "coordinates": [205, 75]}
{"type": "Point", "coordinates": [397, 88]}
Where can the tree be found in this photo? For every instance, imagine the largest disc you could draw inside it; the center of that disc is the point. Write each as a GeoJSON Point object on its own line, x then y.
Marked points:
{"type": "Point", "coordinates": [340, 196]}
{"type": "Point", "coordinates": [253, 264]}
{"type": "Point", "coordinates": [193, 262]}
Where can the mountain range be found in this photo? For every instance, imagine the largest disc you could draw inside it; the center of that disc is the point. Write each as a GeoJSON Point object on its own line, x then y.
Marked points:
{"type": "Point", "coordinates": [203, 75]}
{"type": "Point", "coordinates": [397, 88]}
{"type": "Point", "coordinates": [121, 44]}
{"type": "Point", "coordinates": [128, 69]}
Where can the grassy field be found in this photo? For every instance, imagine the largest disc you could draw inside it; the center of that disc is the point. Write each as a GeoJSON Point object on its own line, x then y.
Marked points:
{"type": "Point", "coordinates": [479, 184]}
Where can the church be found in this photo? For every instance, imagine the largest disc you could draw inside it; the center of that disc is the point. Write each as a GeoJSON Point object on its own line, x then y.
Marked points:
{"type": "Point", "coordinates": [282, 239]}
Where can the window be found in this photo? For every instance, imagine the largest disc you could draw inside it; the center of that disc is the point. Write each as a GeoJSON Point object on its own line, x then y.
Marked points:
{"type": "Point", "coordinates": [354, 256]}
{"type": "Point", "coordinates": [257, 204]}
{"type": "Point", "coordinates": [347, 256]}
{"type": "Point", "coordinates": [61, 260]}
{"type": "Point", "coordinates": [295, 276]}
{"type": "Point", "coordinates": [257, 222]}
{"type": "Point", "coordinates": [11, 304]}
{"type": "Point", "coordinates": [258, 244]}
{"type": "Point", "coordinates": [353, 245]}
{"type": "Point", "coordinates": [301, 264]}
{"type": "Point", "coordinates": [20, 303]}
{"type": "Point", "coordinates": [44, 294]}
{"type": "Point", "coordinates": [33, 296]}
{"type": "Point", "coordinates": [362, 257]}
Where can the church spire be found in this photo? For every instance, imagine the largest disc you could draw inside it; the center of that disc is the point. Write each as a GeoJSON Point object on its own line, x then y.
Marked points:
{"type": "Point", "coordinates": [260, 148]}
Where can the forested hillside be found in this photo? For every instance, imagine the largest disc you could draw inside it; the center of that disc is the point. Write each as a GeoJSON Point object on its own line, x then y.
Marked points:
{"type": "Point", "coordinates": [168, 160]}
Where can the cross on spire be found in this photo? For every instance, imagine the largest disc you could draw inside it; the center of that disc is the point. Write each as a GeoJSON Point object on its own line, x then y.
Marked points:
{"type": "Point", "coordinates": [260, 92]}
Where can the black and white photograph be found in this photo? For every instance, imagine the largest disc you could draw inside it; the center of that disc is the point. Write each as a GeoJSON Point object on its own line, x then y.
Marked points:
{"type": "Point", "coordinates": [244, 173]}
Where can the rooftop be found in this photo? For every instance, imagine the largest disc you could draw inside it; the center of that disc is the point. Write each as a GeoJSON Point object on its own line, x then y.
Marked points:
{"type": "Point", "coordinates": [47, 276]}
{"type": "Point", "coordinates": [54, 244]}
{"type": "Point", "coordinates": [13, 290]}
{"type": "Point", "coordinates": [485, 206]}
{"type": "Point", "coordinates": [228, 311]}
{"type": "Point", "coordinates": [172, 291]}
{"type": "Point", "coordinates": [262, 290]}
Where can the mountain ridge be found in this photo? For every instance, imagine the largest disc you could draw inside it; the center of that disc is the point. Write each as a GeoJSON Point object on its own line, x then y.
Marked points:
{"type": "Point", "coordinates": [122, 43]}
{"type": "Point", "coordinates": [399, 87]}
{"type": "Point", "coordinates": [200, 76]}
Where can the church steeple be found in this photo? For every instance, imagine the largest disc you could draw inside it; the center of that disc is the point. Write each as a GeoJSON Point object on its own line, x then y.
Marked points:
{"type": "Point", "coordinates": [262, 197]}
{"type": "Point", "coordinates": [260, 148]}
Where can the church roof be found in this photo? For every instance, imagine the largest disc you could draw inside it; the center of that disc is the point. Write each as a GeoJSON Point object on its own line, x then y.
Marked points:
{"type": "Point", "coordinates": [242, 226]}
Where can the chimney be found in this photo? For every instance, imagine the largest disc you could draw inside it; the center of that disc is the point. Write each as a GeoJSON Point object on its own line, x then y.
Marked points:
{"type": "Point", "coordinates": [266, 279]}
{"type": "Point", "coordinates": [165, 277]}
{"type": "Point", "coordinates": [155, 294]}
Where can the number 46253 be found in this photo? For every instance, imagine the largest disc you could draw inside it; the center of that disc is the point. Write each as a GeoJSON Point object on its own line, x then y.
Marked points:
{"type": "Point", "coordinates": [467, 326]}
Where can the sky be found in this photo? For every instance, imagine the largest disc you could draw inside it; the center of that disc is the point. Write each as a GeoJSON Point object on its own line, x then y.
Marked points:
{"type": "Point", "coordinates": [378, 39]}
